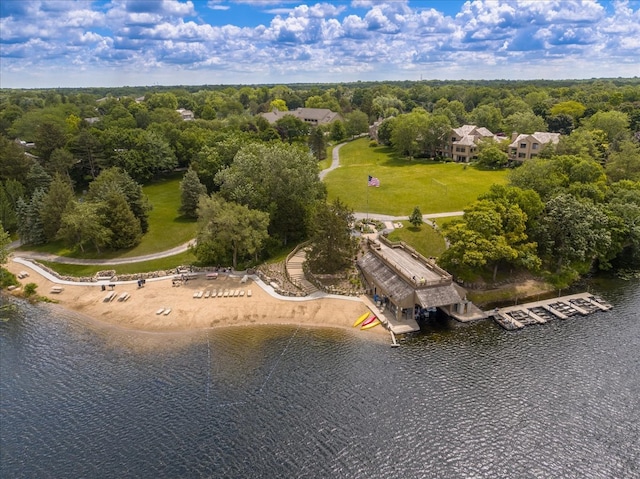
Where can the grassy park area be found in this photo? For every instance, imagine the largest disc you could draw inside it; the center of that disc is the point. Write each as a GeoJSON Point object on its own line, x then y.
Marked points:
{"type": "Point", "coordinates": [130, 268]}
{"type": "Point", "coordinates": [167, 229]}
{"type": "Point", "coordinates": [426, 240]}
{"type": "Point", "coordinates": [404, 184]}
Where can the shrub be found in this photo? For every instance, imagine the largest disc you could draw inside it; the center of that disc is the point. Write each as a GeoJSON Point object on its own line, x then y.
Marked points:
{"type": "Point", "coordinates": [30, 289]}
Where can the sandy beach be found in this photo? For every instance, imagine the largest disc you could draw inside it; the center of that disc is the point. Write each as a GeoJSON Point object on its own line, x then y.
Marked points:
{"type": "Point", "coordinates": [139, 311]}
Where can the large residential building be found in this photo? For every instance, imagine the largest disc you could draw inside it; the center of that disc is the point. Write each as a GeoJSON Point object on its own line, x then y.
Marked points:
{"type": "Point", "coordinates": [524, 147]}
{"type": "Point", "coordinates": [313, 116]}
{"type": "Point", "coordinates": [462, 144]}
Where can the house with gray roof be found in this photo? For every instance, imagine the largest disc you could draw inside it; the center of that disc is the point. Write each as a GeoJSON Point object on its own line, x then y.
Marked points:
{"type": "Point", "coordinates": [524, 147]}
{"type": "Point", "coordinates": [463, 142]}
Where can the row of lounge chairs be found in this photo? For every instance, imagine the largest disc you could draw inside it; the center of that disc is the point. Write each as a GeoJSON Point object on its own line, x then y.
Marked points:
{"type": "Point", "coordinates": [222, 293]}
{"type": "Point", "coordinates": [111, 295]}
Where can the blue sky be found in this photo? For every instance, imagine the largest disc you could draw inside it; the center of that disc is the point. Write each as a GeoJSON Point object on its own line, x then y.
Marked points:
{"type": "Point", "coordinates": [69, 43]}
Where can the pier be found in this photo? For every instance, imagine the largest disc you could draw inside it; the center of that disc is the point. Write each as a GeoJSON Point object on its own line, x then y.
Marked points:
{"type": "Point", "coordinates": [541, 312]}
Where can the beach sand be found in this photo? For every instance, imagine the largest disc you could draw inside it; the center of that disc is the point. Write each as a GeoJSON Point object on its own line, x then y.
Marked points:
{"type": "Point", "coordinates": [138, 312]}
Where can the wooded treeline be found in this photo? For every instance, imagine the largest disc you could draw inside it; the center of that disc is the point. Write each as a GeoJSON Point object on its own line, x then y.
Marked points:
{"type": "Point", "coordinates": [107, 142]}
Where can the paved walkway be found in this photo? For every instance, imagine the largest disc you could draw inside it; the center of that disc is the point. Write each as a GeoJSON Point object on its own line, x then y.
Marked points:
{"type": "Point", "coordinates": [335, 163]}
{"type": "Point", "coordinates": [80, 261]}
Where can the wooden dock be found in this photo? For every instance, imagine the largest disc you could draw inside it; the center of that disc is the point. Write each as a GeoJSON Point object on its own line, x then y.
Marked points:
{"type": "Point", "coordinates": [540, 312]}
{"type": "Point", "coordinates": [389, 321]}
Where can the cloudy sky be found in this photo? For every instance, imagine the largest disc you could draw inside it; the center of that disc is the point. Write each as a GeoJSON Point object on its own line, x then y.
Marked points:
{"type": "Point", "coordinates": [65, 43]}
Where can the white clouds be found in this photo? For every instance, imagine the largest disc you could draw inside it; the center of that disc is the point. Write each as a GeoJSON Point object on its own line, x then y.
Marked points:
{"type": "Point", "coordinates": [387, 39]}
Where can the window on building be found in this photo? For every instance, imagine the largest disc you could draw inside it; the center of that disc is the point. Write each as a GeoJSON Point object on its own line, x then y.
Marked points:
{"type": "Point", "coordinates": [534, 146]}
{"type": "Point", "coordinates": [523, 145]}
{"type": "Point", "coordinates": [522, 155]}
{"type": "Point", "coordinates": [460, 149]}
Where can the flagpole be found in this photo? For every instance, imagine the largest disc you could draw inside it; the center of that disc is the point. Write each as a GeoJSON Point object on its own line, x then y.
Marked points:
{"type": "Point", "coordinates": [367, 202]}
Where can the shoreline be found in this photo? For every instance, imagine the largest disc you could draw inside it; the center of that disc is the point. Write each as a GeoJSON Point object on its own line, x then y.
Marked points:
{"type": "Point", "coordinates": [138, 312]}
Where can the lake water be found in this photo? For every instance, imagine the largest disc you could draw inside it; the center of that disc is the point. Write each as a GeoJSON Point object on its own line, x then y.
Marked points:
{"type": "Point", "coordinates": [79, 399]}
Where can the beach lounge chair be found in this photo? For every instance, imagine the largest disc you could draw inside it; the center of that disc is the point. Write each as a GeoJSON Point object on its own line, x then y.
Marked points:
{"type": "Point", "coordinates": [57, 289]}
{"type": "Point", "coordinates": [160, 311]}
{"type": "Point", "coordinates": [226, 293]}
{"type": "Point", "coordinates": [242, 293]}
{"type": "Point", "coordinates": [167, 311]}
{"type": "Point", "coordinates": [195, 294]}
{"type": "Point", "coordinates": [236, 293]}
{"type": "Point", "coordinates": [248, 293]}
{"type": "Point", "coordinates": [123, 297]}
{"type": "Point", "coordinates": [207, 294]}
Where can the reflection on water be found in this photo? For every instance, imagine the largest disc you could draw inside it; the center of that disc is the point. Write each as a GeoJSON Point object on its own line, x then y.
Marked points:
{"type": "Point", "coordinates": [84, 400]}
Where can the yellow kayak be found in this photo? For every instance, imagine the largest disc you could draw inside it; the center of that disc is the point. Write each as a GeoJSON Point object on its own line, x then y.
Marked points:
{"type": "Point", "coordinates": [371, 324]}
{"type": "Point", "coordinates": [361, 319]}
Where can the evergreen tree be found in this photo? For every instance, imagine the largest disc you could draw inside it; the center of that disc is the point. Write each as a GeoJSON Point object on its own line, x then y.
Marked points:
{"type": "Point", "coordinates": [332, 243]}
{"type": "Point", "coordinates": [416, 217]}
{"type": "Point", "coordinates": [318, 144]}
{"type": "Point", "coordinates": [56, 200]}
{"type": "Point", "coordinates": [338, 131]}
{"type": "Point", "coordinates": [30, 227]}
{"type": "Point", "coordinates": [120, 220]}
{"type": "Point", "coordinates": [118, 181]}
{"type": "Point", "coordinates": [4, 245]}
{"type": "Point", "coordinates": [190, 192]}
{"type": "Point", "coordinates": [37, 177]}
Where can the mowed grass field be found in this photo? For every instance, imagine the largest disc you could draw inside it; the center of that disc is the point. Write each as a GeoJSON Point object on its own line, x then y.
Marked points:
{"type": "Point", "coordinates": [405, 184]}
{"type": "Point", "coordinates": [167, 228]}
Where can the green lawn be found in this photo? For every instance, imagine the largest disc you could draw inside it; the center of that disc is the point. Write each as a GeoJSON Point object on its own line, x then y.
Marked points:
{"type": "Point", "coordinates": [427, 241]}
{"type": "Point", "coordinates": [167, 229]}
{"type": "Point", "coordinates": [169, 262]}
{"type": "Point", "coordinates": [404, 184]}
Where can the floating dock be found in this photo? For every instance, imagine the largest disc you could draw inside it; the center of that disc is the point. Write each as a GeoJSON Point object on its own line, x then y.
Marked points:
{"type": "Point", "coordinates": [540, 312]}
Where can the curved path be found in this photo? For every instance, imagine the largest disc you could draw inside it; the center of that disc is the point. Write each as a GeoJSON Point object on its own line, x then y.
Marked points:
{"type": "Point", "coordinates": [335, 163]}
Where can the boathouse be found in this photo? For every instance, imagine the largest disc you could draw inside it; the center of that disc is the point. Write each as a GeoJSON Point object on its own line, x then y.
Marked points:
{"type": "Point", "coordinates": [401, 279]}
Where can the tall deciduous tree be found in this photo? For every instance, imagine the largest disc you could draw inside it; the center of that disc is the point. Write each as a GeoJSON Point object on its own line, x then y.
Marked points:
{"type": "Point", "coordinates": [525, 122]}
{"type": "Point", "coordinates": [82, 223]}
{"type": "Point", "coordinates": [227, 229]}
{"type": "Point", "coordinates": [624, 164]}
{"type": "Point", "coordinates": [356, 122]}
{"type": "Point", "coordinates": [279, 179]}
{"type": "Point", "coordinates": [573, 231]}
{"type": "Point", "coordinates": [489, 235]}
{"type": "Point", "coordinates": [190, 192]}
{"type": "Point", "coordinates": [291, 128]}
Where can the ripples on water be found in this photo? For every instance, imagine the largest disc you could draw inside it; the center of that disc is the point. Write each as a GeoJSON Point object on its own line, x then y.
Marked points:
{"type": "Point", "coordinates": [556, 401]}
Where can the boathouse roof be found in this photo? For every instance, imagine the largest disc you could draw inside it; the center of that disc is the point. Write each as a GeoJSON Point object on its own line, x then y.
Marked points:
{"type": "Point", "coordinates": [438, 296]}
{"type": "Point", "coordinates": [386, 278]}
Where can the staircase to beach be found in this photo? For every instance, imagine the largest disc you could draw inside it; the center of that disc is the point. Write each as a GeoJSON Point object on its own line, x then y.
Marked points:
{"type": "Point", "coordinates": [295, 272]}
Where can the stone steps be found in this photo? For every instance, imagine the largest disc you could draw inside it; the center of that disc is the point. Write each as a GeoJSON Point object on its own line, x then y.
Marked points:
{"type": "Point", "coordinates": [296, 273]}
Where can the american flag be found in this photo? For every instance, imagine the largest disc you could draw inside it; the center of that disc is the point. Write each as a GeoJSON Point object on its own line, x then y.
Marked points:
{"type": "Point", "coordinates": [373, 181]}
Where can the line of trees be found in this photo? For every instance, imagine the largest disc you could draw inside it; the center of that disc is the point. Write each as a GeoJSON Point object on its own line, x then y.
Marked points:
{"type": "Point", "coordinates": [55, 144]}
